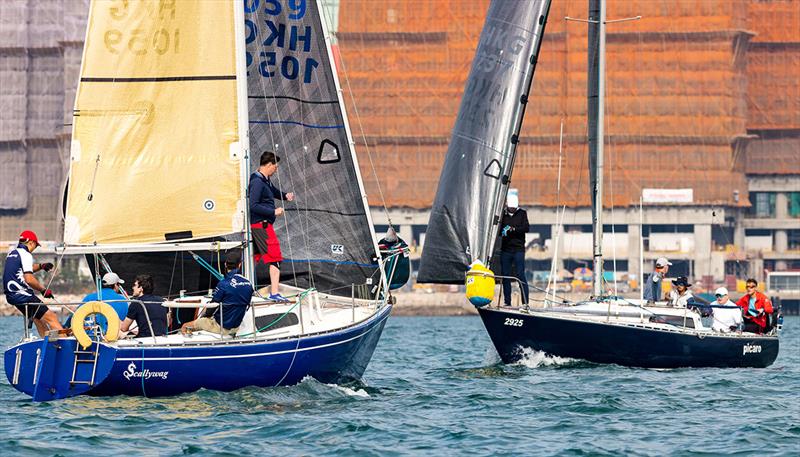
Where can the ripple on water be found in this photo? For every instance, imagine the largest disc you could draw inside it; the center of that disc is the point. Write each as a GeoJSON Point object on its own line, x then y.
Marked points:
{"type": "Point", "coordinates": [437, 387]}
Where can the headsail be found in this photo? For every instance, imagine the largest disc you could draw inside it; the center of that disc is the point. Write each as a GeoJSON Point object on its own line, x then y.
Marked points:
{"type": "Point", "coordinates": [477, 168]}
{"type": "Point", "coordinates": [296, 111]}
{"type": "Point", "coordinates": [155, 143]}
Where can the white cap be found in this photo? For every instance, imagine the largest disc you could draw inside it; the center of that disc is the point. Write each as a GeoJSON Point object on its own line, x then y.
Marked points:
{"type": "Point", "coordinates": [662, 262]}
{"type": "Point", "coordinates": [110, 279]}
{"type": "Point", "coordinates": [391, 235]}
{"type": "Point", "coordinates": [512, 200]}
{"type": "Point", "coordinates": [721, 291]}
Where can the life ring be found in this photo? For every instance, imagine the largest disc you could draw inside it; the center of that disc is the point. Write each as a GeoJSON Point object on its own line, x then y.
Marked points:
{"type": "Point", "coordinates": [87, 309]}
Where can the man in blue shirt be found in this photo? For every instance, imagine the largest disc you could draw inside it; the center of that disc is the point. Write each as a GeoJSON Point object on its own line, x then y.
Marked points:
{"type": "Point", "coordinates": [652, 287]}
{"type": "Point", "coordinates": [19, 284]}
{"type": "Point", "coordinates": [110, 293]}
{"type": "Point", "coordinates": [262, 217]}
{"type": "Point", "coordinates": [233, 294]}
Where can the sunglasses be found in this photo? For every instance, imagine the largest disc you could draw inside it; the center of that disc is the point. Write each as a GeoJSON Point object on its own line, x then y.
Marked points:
{"type": "Point", "coordinates": [719, 295]}
{"type": "Point", "coordinates": [750, 287]}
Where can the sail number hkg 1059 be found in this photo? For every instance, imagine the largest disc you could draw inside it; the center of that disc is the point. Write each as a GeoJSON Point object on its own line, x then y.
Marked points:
{"type": "Point", "coordinates": [277, 36]}
{"type": "Point", "coordinates": [142, 41]}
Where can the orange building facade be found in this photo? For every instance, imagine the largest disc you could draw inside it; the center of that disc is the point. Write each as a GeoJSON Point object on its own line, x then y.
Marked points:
{"type": "Point", "coordinates": [687, 85]}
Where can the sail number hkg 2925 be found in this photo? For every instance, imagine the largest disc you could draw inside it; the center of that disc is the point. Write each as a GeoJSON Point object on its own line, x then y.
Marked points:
{"type": "Point", "coordinates": [513, 322]}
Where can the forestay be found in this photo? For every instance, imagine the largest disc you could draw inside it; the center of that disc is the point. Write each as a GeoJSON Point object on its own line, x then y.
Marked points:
{"type": "Point", "coordinates": [295, 110]}
{"type": "Point", "coordinates": [155, 147]}
{"type": "Point", "coordinates": [477, 169]}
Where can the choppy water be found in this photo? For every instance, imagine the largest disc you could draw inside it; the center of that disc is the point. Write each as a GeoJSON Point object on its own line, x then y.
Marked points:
{"type": "Point", "coordinates": [435, 387]}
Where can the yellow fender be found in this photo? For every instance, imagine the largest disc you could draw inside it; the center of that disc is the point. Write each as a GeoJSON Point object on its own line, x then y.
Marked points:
{"type": "Point", "coordinates": [87, 309]}
{"type": "Point", "coordinates": [480, 284]}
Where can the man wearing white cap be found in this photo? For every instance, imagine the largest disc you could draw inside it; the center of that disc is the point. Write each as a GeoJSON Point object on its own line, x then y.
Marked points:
{"type": "Point", "coordinates": [513, 228]}
{"type": "Point", "coordinates": [112, 294]}
{"type": "Point", "coordinates": [652, 287]}
{"type": "Point", "coordinates": [727, 316]}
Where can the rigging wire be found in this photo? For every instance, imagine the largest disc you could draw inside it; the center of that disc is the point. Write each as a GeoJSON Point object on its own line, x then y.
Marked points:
{"type": "Point", "coordinates": [363, 135]}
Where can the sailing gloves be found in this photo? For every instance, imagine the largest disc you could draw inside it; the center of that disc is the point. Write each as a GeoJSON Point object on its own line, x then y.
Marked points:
{"type": "Point", "coordinates": [46, 266]}
{"type": "Point", "coordinates": [48, 294]}
{"type": "Point", "coordinates": [507, 229]}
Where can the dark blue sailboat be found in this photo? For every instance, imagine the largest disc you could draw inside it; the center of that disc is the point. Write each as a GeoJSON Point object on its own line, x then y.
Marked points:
{"type": "Point", "coordinates": [180, 185]}
{"type": "Point", "coordinates": [464, 223]}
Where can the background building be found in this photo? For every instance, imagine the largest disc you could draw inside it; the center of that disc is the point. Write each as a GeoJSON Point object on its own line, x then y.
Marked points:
{"type": "Point", "coordinates": [703, 110]}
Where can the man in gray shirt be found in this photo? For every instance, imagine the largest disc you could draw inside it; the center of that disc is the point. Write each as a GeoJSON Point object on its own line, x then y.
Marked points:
{"type": "Point", "coordinates": [652, 287]}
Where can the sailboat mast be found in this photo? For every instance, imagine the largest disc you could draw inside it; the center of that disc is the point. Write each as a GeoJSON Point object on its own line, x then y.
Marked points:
{"type": "Point", "coordinates": [243, 148]}
{"type": "Point", "coordinates": [596, 108]}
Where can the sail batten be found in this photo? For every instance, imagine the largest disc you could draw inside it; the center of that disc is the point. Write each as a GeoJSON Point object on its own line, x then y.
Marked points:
{"type": "Point", "coordinates": [477, 171]}
{"type": "Point", "coordinates": [155, 125]}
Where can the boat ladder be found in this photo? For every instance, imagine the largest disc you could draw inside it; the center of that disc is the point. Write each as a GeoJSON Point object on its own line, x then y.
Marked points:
{"type": "Point", "coordinates": [84, 356]}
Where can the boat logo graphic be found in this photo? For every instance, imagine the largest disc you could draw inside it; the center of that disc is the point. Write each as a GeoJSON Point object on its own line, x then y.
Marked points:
{"type": "Point", "coordinates": [209, 205]}
{"type": "Point", "coordinates": [751, 349]}
{"type": "Point", "coordinates": [145, 374]}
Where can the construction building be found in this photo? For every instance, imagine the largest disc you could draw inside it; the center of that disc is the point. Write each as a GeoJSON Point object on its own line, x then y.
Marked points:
{"type": "Point", "coordinates": [702, 112]}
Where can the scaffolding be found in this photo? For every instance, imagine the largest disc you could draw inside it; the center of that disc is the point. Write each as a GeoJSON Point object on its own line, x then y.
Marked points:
{"type": "Point", "coordinates": [700, 93]}
{"type": "Point", "coordinates": [678, 104]}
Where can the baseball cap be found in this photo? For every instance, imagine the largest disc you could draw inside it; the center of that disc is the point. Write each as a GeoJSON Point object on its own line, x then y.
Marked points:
{"type": "Point", "coordinates": [110, 279]}
{"type": "Point", "coordinates": [721, 291]}
{"type": "Point", "coordinates": [28, 235]}
{"type": "Point", "coordinates": [662, 262]}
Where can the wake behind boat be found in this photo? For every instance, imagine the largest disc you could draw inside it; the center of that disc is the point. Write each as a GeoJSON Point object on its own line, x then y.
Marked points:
{"type": "Point", "coordinates": [464, 224]}
{"type": "Point", "coordinates": [171, 101]}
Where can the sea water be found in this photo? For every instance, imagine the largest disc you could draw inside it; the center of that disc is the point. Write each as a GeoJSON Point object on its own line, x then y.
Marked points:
{"type": "Point", "coordinates": [436, 387]}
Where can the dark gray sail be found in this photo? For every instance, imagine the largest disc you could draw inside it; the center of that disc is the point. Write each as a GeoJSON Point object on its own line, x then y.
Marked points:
{"type": "Point", "coordinates": [295, 110]}
{"type": "Point", "coordinates": [477, 168]}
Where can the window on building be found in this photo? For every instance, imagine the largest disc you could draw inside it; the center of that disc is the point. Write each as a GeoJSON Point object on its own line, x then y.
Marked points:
{"type": "Point", "coordinates": [793, 240]}
{"type": "Point", "coordinates": [737, 269]}
{"type": "Point", "coordinates": [794, 204]}
{"type": "Point", "coordinates": [763, 204]}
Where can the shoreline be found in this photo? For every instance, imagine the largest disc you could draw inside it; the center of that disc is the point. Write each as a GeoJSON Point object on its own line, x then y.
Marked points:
{"type": "Point", "coordinates": [407, 304]}
{"type": "Point", "coordinates": [421, 302]}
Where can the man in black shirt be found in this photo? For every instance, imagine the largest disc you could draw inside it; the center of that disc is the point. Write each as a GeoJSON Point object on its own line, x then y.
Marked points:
{"type": "Point", "coordinates": [143, 292]}
{"type": "Point", "coordinates": [513, 228]}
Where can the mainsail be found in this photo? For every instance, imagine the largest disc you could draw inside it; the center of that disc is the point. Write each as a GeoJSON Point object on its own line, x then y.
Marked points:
{"type": "Point", "coordinates": [477, 169]}
{"type": "Point", "coordinates": [155, 143]}
{"type": "Point", "coordinates": [296, 111]}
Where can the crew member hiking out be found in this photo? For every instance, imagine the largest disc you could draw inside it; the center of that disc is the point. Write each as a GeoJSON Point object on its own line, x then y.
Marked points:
{"type": "Point", "coordinates": [19, 284]}
{"type": "Point", "coordinates": [262, 217]}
